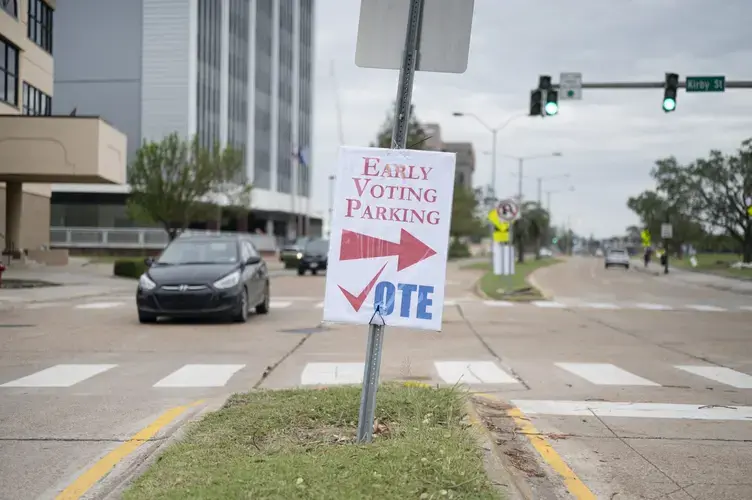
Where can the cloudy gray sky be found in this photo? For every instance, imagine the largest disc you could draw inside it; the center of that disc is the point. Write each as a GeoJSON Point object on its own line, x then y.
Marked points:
{"type": "Point", "coordinates": [609, 140]}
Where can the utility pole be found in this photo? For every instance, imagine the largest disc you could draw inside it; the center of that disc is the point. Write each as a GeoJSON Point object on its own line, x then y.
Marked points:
{"type": "Point", "coordinates": [540, 192]}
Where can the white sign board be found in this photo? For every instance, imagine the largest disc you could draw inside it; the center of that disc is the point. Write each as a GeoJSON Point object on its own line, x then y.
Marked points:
{"type": "Point", "coordinates": [390, 237]}
{"type": "Point", "coordinates": [444, 37]}
{"type": "Point", "coordinates": [508, 210]}
{"type": "Point", "coordinates": [667, 231]}
{"type": "Point", "coordinates": [570, 87]}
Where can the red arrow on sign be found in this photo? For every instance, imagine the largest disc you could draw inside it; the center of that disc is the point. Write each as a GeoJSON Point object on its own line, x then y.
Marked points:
{"type": "Point", "coordinates": [409, 251]}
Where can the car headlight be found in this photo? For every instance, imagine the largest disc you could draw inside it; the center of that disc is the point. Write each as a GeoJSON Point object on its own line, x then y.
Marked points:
{"type": "Point", "coordinates": [228, 281]}
{"type": "Point", "coordinates": [300, 255]}
{"type": "Point", "coordinates": [145, 283]}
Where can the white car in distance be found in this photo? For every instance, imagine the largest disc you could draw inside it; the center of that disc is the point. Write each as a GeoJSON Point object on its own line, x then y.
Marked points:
{"type": "Point", "coordinates": [617, 257]}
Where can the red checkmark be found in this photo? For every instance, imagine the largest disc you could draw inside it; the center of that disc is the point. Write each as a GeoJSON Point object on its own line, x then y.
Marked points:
{"type": "Point", "coordinates": [356, 301]}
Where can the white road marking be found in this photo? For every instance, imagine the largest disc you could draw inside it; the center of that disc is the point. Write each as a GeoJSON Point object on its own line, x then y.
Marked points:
{"type": "Point", "coordinates": [634, 410]}
{"type": "Point", "coordinates": [720, 374]}
{"type": "Point", "coordinates": [746, 308]}
{"type": "Point", "coordinates": [600, 305]}
{"type": "Point", "coordinates": [332, 373]}
{"type": "Point", "coordinates": [449, 303]}
{"type": "Point", "coordinates": [498, 303]}
{"type": "Point", "coordinates": [200, 376]}
{"type": "Point", "coordinates": [320, 305]}
{"type": "Point", "coordinates": [704, 308]}
{"type": "Point", "coordinates": [45, 305]}
{"type": "Point", "coordinates": [472, 372]}
{"type": "Point", "coordinates": [604, 374]}
{"type": "Point", "coordinates": [548, 304]}
{"type": "Point", "coordinates": [59, 376]}
{"type": "Point", "coordinates": [653, 307]}
{"type": "Point", "coordinates": [276, 304]}
{"type": "Point", "coordinates": [99, 305]}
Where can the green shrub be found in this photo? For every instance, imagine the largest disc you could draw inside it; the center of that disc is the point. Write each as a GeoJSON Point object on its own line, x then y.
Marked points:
{"type": "Point", "coordinates": [458, 250]}
{"type": "Point", "coordinates": [129, 268]}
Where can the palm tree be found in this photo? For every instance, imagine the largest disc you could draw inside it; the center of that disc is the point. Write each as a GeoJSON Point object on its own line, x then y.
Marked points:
{"type": "Point", "coordinates": [530, 229]}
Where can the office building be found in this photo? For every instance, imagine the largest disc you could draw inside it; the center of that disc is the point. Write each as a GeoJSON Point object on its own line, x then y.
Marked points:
{"type": "Point", "coordinates": [235, 71]}
{"type": "Point", "coordinates": [465, 166]}
{"type": "Point", "coordinates": [38, 148]}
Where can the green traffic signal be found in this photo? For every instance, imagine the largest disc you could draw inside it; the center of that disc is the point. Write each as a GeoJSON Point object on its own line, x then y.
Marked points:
{"type": "Point", "coordinates": [551, 108]}
{"type": "Point", "coordinates": [555, 240]}
{"type": "Point", "coordinates": [669, 104]}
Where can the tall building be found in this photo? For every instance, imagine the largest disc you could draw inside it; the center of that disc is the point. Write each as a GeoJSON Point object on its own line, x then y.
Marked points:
{"type": "Point", "coordinates": [235, 71]}
{"type": "Point", "coordinates": [37, 148]}
{"type": "Point", "coordinates": [463, 173]}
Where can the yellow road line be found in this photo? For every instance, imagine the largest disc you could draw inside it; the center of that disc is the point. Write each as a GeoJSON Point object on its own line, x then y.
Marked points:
{"type": "Point", "coordinates": [89, 478]}
{"type": "Point", "coordinates": [574, 484]}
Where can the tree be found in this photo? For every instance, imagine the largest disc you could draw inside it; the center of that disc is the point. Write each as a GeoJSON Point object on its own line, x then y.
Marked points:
{"type": "Point", "coordinates": [711, 191]}
{"type": "Point", "coordinates": [530, 229]}
{"type": "Point", "coordinates": [416, 136]}
{"type": "Point", "coordinates": [465, 221]}
{"type": "Point", "coordinates": [176, 181]}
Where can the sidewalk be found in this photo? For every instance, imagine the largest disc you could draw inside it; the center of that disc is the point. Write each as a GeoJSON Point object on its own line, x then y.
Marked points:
{"type": "Point", "coordinates": [696, 278]}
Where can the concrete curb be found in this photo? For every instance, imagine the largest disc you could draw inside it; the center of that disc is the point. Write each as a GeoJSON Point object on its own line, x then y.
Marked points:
{"type": "Point", "coordinates": [132, 467]}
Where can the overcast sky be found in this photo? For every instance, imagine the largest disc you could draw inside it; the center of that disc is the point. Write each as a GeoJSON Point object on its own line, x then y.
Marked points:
{"type": "Point", "coordinates": [609, 140]}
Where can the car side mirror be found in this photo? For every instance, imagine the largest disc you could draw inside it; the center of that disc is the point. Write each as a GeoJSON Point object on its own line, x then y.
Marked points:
{"type": "Point", "coordinates": [149, 261]}
{"type": "Point", "coordinates": [253, 260]}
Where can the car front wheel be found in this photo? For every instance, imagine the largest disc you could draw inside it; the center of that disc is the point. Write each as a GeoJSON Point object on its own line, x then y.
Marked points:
{"type": "Point", "coordinates": [241, 316]}
{"type": "Point", "coordinates": [263, 307]}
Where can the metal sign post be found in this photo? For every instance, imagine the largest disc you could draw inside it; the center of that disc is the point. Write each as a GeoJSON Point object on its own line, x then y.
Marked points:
{"type": "Point", "coordinates": [399, 141]}
{"type": "Point", "coordinates": [442, 28]}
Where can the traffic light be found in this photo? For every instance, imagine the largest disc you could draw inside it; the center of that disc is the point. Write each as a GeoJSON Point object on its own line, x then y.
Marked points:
{"type": "Point", "coordinates": [536, 102]}
{"type": "Point", "coordinates": [669, 92]}
{"type": "Point", "coordinates": [552, 102]}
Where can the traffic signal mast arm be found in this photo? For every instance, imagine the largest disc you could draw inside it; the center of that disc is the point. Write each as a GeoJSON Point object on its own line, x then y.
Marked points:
{"type": "Point", "coordinates": [740, 84]}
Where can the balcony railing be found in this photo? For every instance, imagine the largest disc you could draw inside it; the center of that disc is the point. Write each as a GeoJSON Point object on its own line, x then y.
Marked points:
{"type": "Point", "coordinates": [131, 238]}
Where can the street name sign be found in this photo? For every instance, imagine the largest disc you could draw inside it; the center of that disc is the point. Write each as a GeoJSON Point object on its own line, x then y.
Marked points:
{"type": "Point", "coordinates": [706, 84]}
{"type": "Point", "coordinates": [444, 44]}
{"type": "Point", "coordinates": [389, 237]}
{"type": "Point", "coordinates": [570, 87]}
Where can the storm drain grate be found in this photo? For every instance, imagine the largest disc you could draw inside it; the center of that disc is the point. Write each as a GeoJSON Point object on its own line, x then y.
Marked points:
{"type": "Point", "coordinates": [306, 331]}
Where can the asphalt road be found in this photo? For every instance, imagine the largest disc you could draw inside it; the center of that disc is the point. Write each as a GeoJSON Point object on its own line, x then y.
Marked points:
{"type": "Point", "coordinates": [79, 378]}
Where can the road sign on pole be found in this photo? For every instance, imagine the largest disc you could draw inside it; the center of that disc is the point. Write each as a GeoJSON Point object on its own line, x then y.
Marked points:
{"type": "Point", "coordinates": [443, 41]}
{"type": "Point", "coordinates": [508, 210]}
{"type": "Point", "coordinates": [434, 39]}
{"type": "Point", "coordinates": [667, 231]}
{"type": "Point", "coordinates": [706, 84]}
{"type": "Point", "coordinates": [570, 87]}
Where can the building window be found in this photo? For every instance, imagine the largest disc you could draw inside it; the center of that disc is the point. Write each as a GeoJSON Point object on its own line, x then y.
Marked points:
{"type": "Point", "coordinates": [10, 6]}
{"type": "Point", "coordinates": [8, 73]}
{"type": "Point", "coordinates": [40, 24]}
{"type": "Point", "coordinates": [36, 102]}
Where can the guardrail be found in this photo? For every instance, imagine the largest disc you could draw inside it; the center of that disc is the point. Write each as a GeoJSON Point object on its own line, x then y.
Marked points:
{"type": "Point", "coordinates": [131, 238]}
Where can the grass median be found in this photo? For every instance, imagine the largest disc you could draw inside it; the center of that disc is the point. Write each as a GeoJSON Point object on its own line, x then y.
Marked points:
{"type": "Point", "coordinates": [714, 263]}
{"type": "Point", "coordinates": [301, 444]}
{"type": "Point", "coordinates": [514, 287]}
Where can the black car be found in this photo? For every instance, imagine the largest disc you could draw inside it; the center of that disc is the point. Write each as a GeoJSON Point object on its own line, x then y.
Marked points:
{"type": "Point", "coordinates": [204, 275]}
{"type": "Point", "coordinates": [314, 258]}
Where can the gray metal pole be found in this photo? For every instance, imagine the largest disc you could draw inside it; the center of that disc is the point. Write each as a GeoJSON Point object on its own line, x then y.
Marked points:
{"type": "Point", "coordinates": [548, 202]}
{"type": "Point", "coordinates": [540, 192]}
{"type": "Point", "coordinates": [399, 141]}
{"type": "Point", "coordinates": [493, 162]}
{"type": "Point", "coordinates": [520, 168]}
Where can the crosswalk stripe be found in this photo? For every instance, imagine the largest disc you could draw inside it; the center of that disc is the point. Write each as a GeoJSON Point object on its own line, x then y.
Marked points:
{"type": "Point", "coordinates": [720, 374]}
{"type": "Point", "coordinates": [746, 308]}
{"type": "Point", "coordinates": [200, 376]}
{"type": "Point", "coordinates": [653, 307]}
{"type": "Point", "coordinates": [99, 305]}
{"type": "Point", "coordinates": [704, 308]}
{"type": "Point", "coordinates": [605, 409]}
{"type": "Point", "coordinates": [276, 304]}
{"type": "Point", "coordinates": [59, 376]}
{"type": "Point", "coordinates": [472, 372]}
{"type": "Point", "coordinates": [450, 303]}
{"type": "Point", "coordinates": [332, 373]}
{"type": "Point", "coordinates": [548, 304]}
{"type": "Point", "coordinates": [600, 305]}
{"type": "Point", "coordinates": [498, 303]}
{"type": "Point", "coordinates": [604, 374]}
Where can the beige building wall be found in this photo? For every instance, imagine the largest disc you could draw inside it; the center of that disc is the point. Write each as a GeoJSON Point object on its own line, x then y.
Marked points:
{"type": "Point", "coordinates": [35, 66]}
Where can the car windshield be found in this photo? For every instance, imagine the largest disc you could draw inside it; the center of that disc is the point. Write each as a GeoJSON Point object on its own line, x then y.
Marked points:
{"type": "Point", "coordinates": [616, 252]}
{"type": "Point", "coordinates": [317, 246]}
{"type": "Point", "coordinates": [199, 252]}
